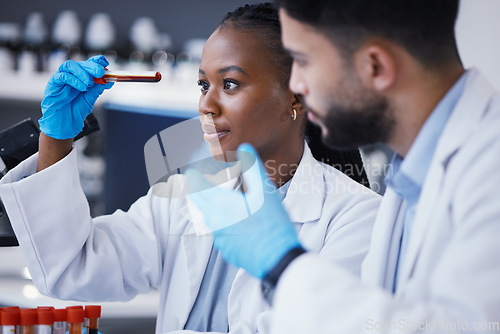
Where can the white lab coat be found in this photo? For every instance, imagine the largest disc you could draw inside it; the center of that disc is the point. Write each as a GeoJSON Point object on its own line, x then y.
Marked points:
{"type": "Point", "coordinates": [154, 244]}
{"type": "Point", "coordinates": [451, 273]}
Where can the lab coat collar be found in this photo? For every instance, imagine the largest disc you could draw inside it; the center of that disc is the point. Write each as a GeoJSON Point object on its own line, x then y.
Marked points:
{"type": "Point", "coordinates": [379, 265]}
{"type": "Point", "coordinates": [463, 121]}
{"type": "Point", "coordinates": [303, 200]}
{"type": "Point", "coordinates": [305, 196]}
{"type": "Point", "coordinates": [472, 105]}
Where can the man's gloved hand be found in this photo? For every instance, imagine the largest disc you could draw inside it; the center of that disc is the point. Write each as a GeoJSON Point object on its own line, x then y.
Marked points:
{"type": "Point", "coordinates": [70, 96]}
{"type": "Point", "coordinates": [252, 230]}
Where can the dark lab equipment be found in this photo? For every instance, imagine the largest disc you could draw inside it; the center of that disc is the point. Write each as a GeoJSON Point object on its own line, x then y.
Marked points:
{"type": "Point", "coordinates": [17, 143]}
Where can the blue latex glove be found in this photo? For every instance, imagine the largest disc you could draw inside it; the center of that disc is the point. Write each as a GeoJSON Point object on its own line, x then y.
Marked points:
{"type": "Point", "coordinates": [251, 230]}
{"type": "Point", "coordinates": [70, 96]}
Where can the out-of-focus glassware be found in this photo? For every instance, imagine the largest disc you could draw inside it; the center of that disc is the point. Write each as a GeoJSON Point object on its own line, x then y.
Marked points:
{"type": "Point", "coordinates": [101, 33]}
{"type": "Point", "coordinates": [144, 35]}
{"type": "Point", "coordinates": [66, 36]}
{"type": "Point", "coordinates": [67, 28]}
{"type": "Point", "coordinates": [7, 62]}
{"type": "Point", "coordinates": [35, 30]}
{"type": "Point", "coordinates": [27, 62]}
{"type": "Point", "coordinates": [10, 36]}
{"type": "Point", "coordinates": [194, 48]}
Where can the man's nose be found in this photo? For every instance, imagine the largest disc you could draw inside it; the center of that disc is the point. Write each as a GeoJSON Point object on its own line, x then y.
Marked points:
{"type": "Point", "coordinates": [297, 83]}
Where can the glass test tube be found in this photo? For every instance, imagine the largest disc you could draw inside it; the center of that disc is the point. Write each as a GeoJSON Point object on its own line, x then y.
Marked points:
{"type": "Point", "coordinates": [60, 326]}
{"type": "Point", "coordinates": [27, 320]}
{"type": "Point", "coordinates": [75, 319]}
{"type": "Point", "coordinates": [9, 320]}
{"type": "Point", "coordinates": [45, 320]}
{"type": "Point", "coordinates": [92, 313]}
{"type": "Point", "coordinates": [126, 76]}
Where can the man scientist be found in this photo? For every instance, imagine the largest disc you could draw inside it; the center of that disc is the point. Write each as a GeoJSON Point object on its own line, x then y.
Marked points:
{"type": "Point", "coordinates": [384, 71]}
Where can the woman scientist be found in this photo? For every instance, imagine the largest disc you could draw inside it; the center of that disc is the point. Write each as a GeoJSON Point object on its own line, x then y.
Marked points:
{"type": "Point", "coordinates": [243, 77]}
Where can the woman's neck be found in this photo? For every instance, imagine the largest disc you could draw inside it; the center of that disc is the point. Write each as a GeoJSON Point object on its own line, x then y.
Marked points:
{"type": "Point", "coordinates": [281, 165]}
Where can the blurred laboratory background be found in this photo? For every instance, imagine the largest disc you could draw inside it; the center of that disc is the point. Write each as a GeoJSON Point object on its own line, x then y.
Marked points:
{"type": "Point", "coordinates": [165, 36]}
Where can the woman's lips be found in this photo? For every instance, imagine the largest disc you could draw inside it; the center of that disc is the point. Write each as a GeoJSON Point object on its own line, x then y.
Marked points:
{"type": "Point", "coordinates": [213, 133]}
{"type": "Point", "coordinates": [214, 137]}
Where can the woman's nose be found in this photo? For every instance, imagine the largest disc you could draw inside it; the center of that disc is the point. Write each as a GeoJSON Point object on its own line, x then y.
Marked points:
{"type": "Point", "coordinates": [209, 104]}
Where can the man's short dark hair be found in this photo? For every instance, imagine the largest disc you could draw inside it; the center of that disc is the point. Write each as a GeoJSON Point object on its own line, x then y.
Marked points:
{"type": "Point", "coordinates": [425, 28]}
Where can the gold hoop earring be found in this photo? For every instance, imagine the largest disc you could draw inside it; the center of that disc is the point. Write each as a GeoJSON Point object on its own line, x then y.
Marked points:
{"type": "Point", "coordinates": [294, 116]}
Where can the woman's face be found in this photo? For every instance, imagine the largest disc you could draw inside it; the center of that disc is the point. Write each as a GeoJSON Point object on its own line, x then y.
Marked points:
{"type": "Point", "coordinates": [242, 99]}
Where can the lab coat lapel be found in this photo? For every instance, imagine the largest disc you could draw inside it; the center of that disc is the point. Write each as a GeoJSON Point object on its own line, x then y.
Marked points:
{"type": "Point", "coordinates": [429, 198]}
{"type": "Point", "coordinates": [306, 180]}
{"type": "Point", "coordinates": [197, 241]}
{"type": "Point", "coordinates": [380, 263]}
{"type": "Point", "coordinates": [465, 117]}
{"type": "Point", "coordinates": [305, 196]}
{"type": "Point", "coordinates": [196, 249]}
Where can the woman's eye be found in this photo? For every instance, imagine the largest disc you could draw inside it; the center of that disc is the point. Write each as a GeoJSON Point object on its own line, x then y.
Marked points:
{"type": "Point", "coordinates": [203, 84]}
{"type": "Point", "coordinates": [228, 85]}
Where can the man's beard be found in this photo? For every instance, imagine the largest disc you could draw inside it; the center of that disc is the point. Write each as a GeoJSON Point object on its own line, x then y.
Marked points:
{"type": "Point", "coordinates": [356, 116]}
{"type": "Point", "coordinates": [351, 127]}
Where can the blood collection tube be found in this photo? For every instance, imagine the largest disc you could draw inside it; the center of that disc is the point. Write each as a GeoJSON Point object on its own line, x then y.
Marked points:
{"type": "Point", "coordinates": [27, 320]}
{"type": "Point", "coordinates": [75, 319]}
{"type": "Point", "coordinates": [125, 76]}
{"type": "Point", "coordinates": [60, 326]}
{"type": "Point", "coordinates": [92, 313]}
{"type": "Point", "coordinates": [45, 320]}
{"type": "Point", "coordinates": [9, 320]}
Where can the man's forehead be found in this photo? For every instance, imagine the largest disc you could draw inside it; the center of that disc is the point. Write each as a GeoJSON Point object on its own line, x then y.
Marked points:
{"type": "Point", "coordinates": [300, 38]}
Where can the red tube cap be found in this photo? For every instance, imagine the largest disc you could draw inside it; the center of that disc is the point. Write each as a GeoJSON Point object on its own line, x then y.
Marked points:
{"type": "Point", "coordinates": [45, 316]}
{"type": "Point", "coordinates": [75, 315]}
{"type": "Point", "coordinates": [60, 314]}
{"type": "Point", "coordinates": [10, 308]}
{"type": "Point", "coordinates": [10, 317]}
{"type": "Point", "coordinates": [27, 317]}
{"type": "Point", "coordinates": [101, 79]}
{"type": "Point", "coordinates": [92, 311]}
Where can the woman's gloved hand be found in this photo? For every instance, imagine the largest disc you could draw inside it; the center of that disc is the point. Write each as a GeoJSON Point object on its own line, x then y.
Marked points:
{"type": "Point", "coordinates": [252, 230]}
{"type": "Point", "coordinates": [70, 96]}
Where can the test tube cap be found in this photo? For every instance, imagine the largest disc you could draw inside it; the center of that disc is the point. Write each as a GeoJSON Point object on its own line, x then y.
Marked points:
{"type": "Point", "coordinates": [75, 315]}
{"type": "Point", "coordinates": [92, 311]}
{"type": "Point", "coordinates": [45, 316]}
{"type": "Point", "coordinates": [10, 308]}
{"type": "Point", "coordinates": [60, 314]}
{"type": "Point", "coordinates": [9, 317]}
{"type": "Point", "coordinates": [27, 316]}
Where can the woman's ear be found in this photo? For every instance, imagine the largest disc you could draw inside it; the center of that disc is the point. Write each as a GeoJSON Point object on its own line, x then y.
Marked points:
{"type": "Point", "coordinates": [297, 104]}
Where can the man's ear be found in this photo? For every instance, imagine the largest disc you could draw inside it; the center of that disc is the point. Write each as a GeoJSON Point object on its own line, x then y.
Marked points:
{"type": "Point", "coordinates": [376, 66]}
